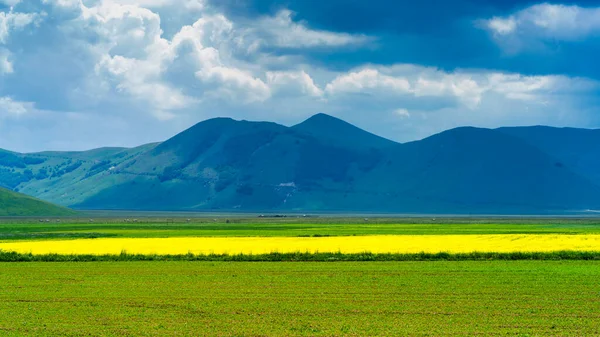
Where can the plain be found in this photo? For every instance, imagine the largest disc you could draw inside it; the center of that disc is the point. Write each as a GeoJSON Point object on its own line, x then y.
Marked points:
{"type": "Point", "coordinates": [340, 295]}
{"type": "Point", "coordinates": [526, 298]}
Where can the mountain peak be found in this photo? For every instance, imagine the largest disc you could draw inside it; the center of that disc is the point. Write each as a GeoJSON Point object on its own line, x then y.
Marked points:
{"type": "Point", "coordinates": [321, 120]}
{"type": "Point", "coordinates": [339, 132]}
{"type": "Point", "coordinates": [323, 116]}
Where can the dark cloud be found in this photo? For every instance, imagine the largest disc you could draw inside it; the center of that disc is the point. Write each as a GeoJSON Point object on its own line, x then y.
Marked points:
{"type": "Point", "coordinates": [430, 32]}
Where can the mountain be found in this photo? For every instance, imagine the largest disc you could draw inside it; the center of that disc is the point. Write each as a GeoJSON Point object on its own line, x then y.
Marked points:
{"type": "Point", "coordinates": [323, 164]}
{"type": "Point", "coordinates": [471, 170]}
{"type": "Point", "coordinates": [17, 204]}
{"type": "Point", "coordinates": [577, 149]}
{"type": "Point", "coordinates": [67, 178]}
{"type": "Point", "coordinates": [227, 164]}
{"type": "Point", "coordinates": [334, 131]}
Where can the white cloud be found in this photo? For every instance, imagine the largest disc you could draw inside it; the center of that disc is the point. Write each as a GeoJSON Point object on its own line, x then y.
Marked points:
{"type": "Point", "coordinates": [292, 83]}
{"type": "Point", "coordinates": [6, 66]}
{"type": "Point", "coordinates": [206, 49]}
{"type": "Point", "coordinates": [10, 21]}
{"type": "Point", "coordinates": [403, 113]}
{"type": "Point", "coordinates": [139, 79]}
{"type": "Point", "coordinates": [562, 22]}
{"type": "Point", "coordinates": [12, 108]}
{"type": "Point", "coordinates": [71, 4]}
{"type": "Point", "coordinates": [233, 84]}
{"type": "Point", "coordinates": [186, 4]}
{"type": "Point", "coordinates": [502, 26]}
{"type": "Point", "coordinates": [367, 79]}
{"type": "Point", "coordinates": [10, 2]}
{"type": "Point", "coordinates": [544, 22]}
{"type": "Point", "coordinates": [401, 81]}
{"type": "Point", "coordinates": [281, 31]}
{"type": "Point", "coordinates": [125, 30]}
{"type": "Point", "coordinates": [515, 86]}
{"type": "Point", "coordinates": [131, 54]}
{"type": "Point", "coordinates": [468, 88]}
{"type": "Point", "coordinates": [437, 100]}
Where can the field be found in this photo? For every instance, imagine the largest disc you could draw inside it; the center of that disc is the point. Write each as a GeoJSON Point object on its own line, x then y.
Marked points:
{"type": "Point", "coordinates": [380, 244]}
{"type": "Point", "coordinates": [27, 229]}
{"type": "Point", "coordinates": [347, 293]}
{"type": "Point", "coordinates": [289, 235]}
{"type": "Point", "coordinates": [524, 298]}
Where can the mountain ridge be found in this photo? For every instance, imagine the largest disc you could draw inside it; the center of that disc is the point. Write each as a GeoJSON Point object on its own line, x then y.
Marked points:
{"type": "Point", "coordinates": [322, 164]}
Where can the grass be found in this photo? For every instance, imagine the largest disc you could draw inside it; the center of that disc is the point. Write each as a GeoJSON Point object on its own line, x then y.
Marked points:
{"type": "Point", "coordinates": [521, 298]}
{"type": "Point", "coordinates": [297, 294]}
{"type": "Point", "coordinates": [17, 204]}
{"type": "Point", "coordinates": [19, 229]}
{"type": "Point", "coordinates": [303, 257]}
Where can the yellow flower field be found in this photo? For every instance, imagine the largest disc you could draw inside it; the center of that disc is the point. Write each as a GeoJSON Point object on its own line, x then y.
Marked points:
{"type": "Point", "coordinates": [344, 244]}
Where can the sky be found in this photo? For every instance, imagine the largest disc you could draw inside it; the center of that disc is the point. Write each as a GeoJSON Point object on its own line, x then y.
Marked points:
{"type": "Point", "coordinates": [81, 74]}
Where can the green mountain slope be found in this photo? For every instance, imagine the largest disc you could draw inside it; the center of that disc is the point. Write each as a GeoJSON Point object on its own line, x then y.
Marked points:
{"type": "Point", "coordinates": [321, 164]}
{"type": "Point", "coordinates": [226, 164]}
{"type": "Point", "coordinates": [66, 178]}
{"type": "Point", "coordinates": [577, 149]}
{"type": "Point", "coordinates": [17, 204]}
{"type": "Point", "coordinates": [471, 170]}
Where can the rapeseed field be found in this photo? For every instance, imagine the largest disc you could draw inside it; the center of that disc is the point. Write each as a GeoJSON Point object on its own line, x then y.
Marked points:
{"type": "Point", "coordinates": [344, 244]}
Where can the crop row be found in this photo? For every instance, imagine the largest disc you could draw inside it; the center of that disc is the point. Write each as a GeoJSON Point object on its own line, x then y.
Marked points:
{"type": "Point", "coordinates": [299, 257]}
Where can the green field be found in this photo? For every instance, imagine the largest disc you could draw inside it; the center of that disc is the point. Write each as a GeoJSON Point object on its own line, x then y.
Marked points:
{"type": "Point", "coordinates": [19, 229]}
{"type": "Point", "coordinates": [298, 294]}
{"type": "Point", "coordinates": [522, 298]}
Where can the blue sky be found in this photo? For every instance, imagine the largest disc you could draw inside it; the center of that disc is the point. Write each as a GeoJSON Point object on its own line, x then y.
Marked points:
{"type": "Point", "coordinates": [79, 74]}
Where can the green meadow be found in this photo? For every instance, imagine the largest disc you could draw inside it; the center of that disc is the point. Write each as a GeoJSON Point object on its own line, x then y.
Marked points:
{"type": "Point", "coordinates": [20, 229]}
{"type": "Point", "coordinates": [517, 298]}
{"type": "Point", "coordinates": [297, 294]}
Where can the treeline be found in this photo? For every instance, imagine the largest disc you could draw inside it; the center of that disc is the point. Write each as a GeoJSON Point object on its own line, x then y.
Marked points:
{"type": "Point", "coordinates": [9, 159]}
{"type": "Point", "coordinates": [98, 167]}
{"type": "Point", "coordinates": [10, 179]}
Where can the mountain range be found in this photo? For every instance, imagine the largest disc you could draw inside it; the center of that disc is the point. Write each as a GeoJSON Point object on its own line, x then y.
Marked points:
{"type": "Point", "coordinates": [323, 164]}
